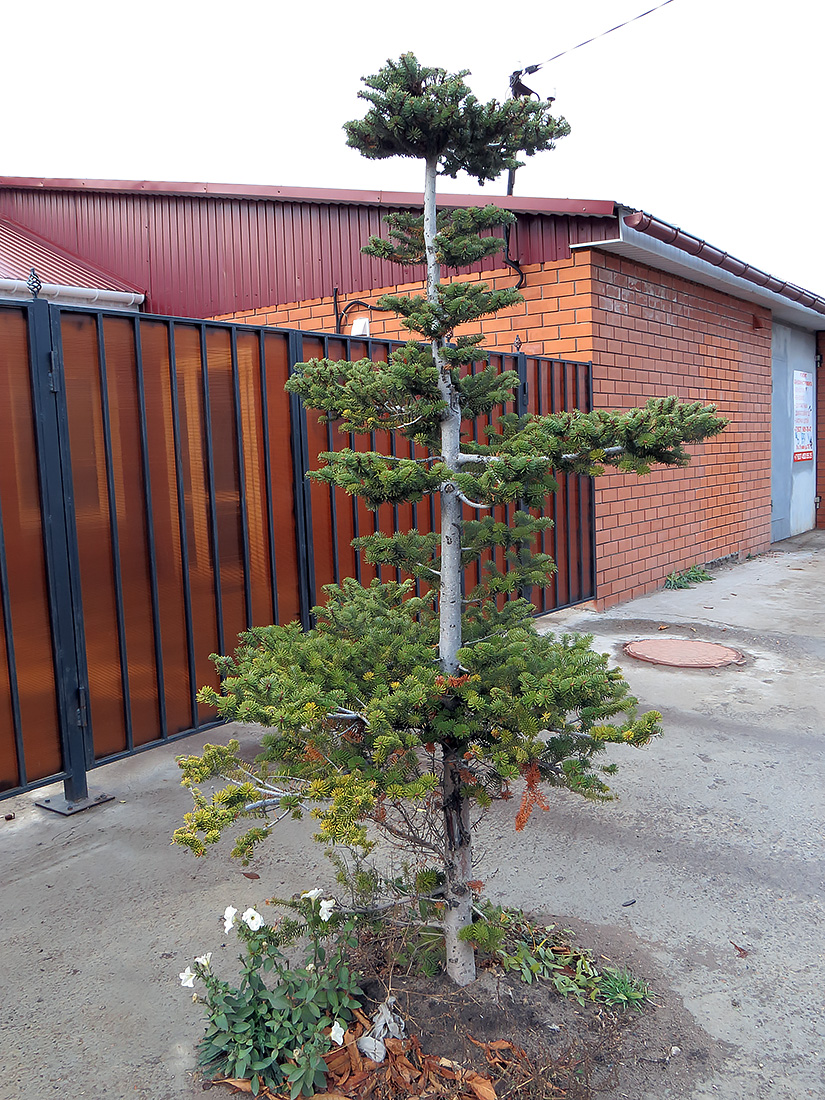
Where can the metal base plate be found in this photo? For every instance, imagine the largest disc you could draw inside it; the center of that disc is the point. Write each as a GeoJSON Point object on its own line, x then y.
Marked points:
{"type": "Point", "coordinates": [62, 806]}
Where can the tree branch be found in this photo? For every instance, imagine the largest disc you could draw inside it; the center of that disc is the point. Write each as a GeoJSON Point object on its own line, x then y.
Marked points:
{"type": "Point", "coordinates": [469, 458]}
{"type": "Point", "coordinates": [607, 451]}
{"type": "Point", "coordinates": [472, 503]}
{"type": "Point", "coordinates": [409, 838]}
{"type": "Point", "coordinates": [435, 572]}
{"type": "Point", "coordinates": [396, 412]}
{"type": "Point", "coordinates": [342, 712]}
{"type": "Point", "coordinates": [401, 458]}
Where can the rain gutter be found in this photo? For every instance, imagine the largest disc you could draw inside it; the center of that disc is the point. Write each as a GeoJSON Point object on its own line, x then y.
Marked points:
{"type": "Point", "coordinates": [73, 295]}
{"type": "Point", "coordinates": [658, 244]}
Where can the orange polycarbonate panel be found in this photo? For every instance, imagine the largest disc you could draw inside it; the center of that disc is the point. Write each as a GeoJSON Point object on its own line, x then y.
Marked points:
{"type": "Point", "coordinates": [281, 477]}
{"type": "Point", "coordinates": [114, 704]}
{"type": "Point", "coordinates": [323, 534]}
{"type": "Point", "coordinates": [227, 500]}
{"type": "Point", "coordinates": [318, 442]}
{"type": "Point", "coordinates": [194, 466]}
{"type": "Point", "coordinates": [254, 468]}
{"type": "Point", "coordinates": [160, 435]}
{"type": "Point", "coordinates": [97, 568]}
{"type": "Point", "coordinates": [29, 624]}
{"type": "Point", "coordinates": [133, 527]}
{"type": "Point", "coordinates": [10, 775]}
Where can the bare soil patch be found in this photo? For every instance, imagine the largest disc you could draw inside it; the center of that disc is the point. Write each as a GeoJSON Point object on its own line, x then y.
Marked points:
{"type": "Point", "coordinates": [574, 1051]}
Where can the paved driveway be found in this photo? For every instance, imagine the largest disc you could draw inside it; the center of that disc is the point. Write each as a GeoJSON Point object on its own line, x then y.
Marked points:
{"type": "Point", "coordinates": [718, 836]}
{"type": "Point", "coordinates": [719, 833]}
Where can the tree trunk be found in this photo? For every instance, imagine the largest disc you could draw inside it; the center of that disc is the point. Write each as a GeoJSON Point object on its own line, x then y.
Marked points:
{"type": "Point", "coordinates": [461, 963]}
{"type": "Point", "coordinates": [458, 836]}
{"type": "Point", "coordinates": [449, 603]}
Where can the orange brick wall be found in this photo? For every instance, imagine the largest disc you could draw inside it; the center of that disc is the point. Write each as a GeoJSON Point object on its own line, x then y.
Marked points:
{"type": "Point", "coordinates": [648, 334]}
{"type": "Point", "coordinates": [554, 319]}
{"type": "Point", "coordinates": [656, 334]}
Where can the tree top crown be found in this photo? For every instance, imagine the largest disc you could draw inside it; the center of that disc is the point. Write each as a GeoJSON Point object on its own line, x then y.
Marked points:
{"type": "Point", "coordinates": [430, 114]}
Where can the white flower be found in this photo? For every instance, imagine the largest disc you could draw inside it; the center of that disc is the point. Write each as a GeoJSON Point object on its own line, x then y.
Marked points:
{"type": "Point", "coordinates": [187, 978]}
{"type": "Point", "coordinates": [204, 960]}
{"type": "Point", "coordinates": [252, 919]}
{"type": "Point", "coordinates": [229, 918]}
{"type": "Point", "coordinates": [337, 1033]}
{"type": "Point", "coordinates": [313, 895]}
{"type": "Point", "coordinates": [310, 967]}
{"type": "Point", "coordinates": [326, 907]}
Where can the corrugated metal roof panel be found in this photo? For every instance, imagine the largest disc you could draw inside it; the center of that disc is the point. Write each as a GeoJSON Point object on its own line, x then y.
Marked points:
{"type": "Point", "coordinates": [598, 208]}
{"type": "Point", "coordinates": [20, 251]}
{"type": "Point", "coordinates": [205, 254]}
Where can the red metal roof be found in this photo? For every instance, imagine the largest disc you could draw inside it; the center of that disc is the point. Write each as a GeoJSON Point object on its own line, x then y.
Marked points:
{"type": "Point", "coordinates": [21, 250]}
{"type": "Point", "coordinates": [204, 250]}
{"type": "Point", "coordinates": [208, 249]}
{"type": "Point", "coordinates": [597, 208]}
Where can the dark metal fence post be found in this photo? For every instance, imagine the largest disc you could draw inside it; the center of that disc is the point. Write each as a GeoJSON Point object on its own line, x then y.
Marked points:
{"type": "Point", "coordinates": [49, 398]}
{"type": "Point", "coordinates": [591, 542]}
{"type": "Point", "coordinates": [301, 487]}
{"type": "Point", "coordinates": [521, 395]}
{"type": "Point", "coordinates": [521, 390]}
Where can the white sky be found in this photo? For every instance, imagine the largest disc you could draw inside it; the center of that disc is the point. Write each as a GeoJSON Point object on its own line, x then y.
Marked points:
{"type": "Point", "coordinates": [707, 113]}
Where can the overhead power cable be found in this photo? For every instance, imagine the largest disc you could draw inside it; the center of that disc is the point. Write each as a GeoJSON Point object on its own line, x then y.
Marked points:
{"type": "Point", "coordinates": [535, 68]}
{"type": "Point", "coordinates": [518, 88]}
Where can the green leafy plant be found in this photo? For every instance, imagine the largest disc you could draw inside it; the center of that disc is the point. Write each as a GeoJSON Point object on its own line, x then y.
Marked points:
{"type": "Point", "coordinates": [535, 953]}
{"type": "Point", "coordinates": [276, 1032]}
{"type": "Point", "coordinates": [620, 989]}
{"type": "Point", "coordinates": [532, 952]}
{"type": "Point", "coordinates": [687, 578]}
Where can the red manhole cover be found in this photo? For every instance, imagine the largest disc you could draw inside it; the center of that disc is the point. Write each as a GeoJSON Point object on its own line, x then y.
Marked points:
{"type": "Point", "coordinates": [683, 653]}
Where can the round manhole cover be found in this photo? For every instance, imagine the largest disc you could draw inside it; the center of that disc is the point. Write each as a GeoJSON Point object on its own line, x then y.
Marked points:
{"type": "Point", "coordinates": [683, 653]}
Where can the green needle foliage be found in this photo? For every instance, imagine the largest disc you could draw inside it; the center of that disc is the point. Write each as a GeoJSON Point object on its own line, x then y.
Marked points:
{"type": "Point", "coordinates": [398, 713]}
{"type": "Point", "coordinates": [427, 113]}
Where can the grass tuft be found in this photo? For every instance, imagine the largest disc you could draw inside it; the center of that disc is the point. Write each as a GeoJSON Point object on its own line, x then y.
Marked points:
{"type": "Point", "coordinates": [688, 577]}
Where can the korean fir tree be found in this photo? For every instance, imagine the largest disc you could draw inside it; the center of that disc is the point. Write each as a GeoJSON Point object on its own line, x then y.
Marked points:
{"type": "Point", "coordinates": [408, 713]}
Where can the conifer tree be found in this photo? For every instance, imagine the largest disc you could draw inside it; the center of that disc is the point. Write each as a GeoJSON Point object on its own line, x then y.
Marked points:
{"type": "Point", "coordinates": [400, 713]}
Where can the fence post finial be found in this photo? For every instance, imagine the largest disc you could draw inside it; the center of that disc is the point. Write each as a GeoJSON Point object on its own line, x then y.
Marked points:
{"type": "Point", "coordinates": [34, 284]}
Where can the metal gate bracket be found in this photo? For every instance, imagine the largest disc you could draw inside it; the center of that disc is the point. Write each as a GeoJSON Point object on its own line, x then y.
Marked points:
{"type": "Point", "coordinates": [66, 809]}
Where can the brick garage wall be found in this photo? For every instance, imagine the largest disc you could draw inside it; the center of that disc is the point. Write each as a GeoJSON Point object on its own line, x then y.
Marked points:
{"type": "Point", "coordinates": [648, 334]}
{"type": "Point", "coordinates": [654, 335]}
{"type": "Point", "coordinates": [554, 319]}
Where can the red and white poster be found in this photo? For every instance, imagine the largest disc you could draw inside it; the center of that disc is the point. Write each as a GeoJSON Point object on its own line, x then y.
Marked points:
{"type": "Point", "coordinates": [803, 416]}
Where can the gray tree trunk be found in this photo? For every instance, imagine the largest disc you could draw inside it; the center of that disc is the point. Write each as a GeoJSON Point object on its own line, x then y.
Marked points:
{"type": "Point", "coordinates": [458, 835]}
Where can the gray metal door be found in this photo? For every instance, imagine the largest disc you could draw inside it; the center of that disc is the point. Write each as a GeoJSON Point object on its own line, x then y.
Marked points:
{"type": "Point", "coordinates": [793, 478]}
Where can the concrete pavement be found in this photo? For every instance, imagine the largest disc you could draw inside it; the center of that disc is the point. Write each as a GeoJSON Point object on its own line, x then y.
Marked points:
{"type": "Point", "coordinates": [720, 829]}
{"type": "Point", "coordinates": [718, 836]}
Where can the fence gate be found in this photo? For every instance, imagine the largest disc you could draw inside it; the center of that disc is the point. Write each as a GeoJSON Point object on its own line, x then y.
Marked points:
{"type": "Point", "coordinates": [153, 504]}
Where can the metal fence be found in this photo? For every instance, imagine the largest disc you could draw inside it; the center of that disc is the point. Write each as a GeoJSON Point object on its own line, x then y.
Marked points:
{"type": "Point", "coordinates": [154, 503]}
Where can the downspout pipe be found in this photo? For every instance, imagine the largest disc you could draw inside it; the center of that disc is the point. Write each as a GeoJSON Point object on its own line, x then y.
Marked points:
{"type": "Point", "coordinates": [511, 263]}
{"type": "Point", "coordinates": [73, 295]}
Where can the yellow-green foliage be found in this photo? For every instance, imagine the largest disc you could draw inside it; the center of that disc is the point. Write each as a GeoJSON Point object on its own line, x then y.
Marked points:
{"type": "Point", "coordinates": [353, 703]}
